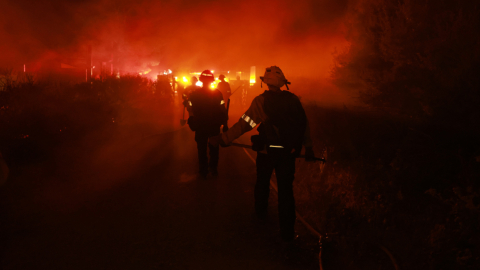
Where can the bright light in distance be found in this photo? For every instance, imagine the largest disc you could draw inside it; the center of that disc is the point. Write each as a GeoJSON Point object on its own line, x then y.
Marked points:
{"type": "Point", "coordinates": [199, 84]}
{"type": "Point", "coordinates": [214, 85]}
{"type": "Point", "coordinates": [252, 75]}
{"type": "Point", "coordinates": [185, 79]}
{"type": "Point", "coordinates": [213, 71]}
{"type": "Point", "coordinates": [169, 71]}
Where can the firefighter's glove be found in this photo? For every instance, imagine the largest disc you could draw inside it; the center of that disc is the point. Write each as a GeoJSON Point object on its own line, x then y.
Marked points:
{"type": "Point", "coordinates": [309, 154]}
{"type": "Point", "coordinates": [258, 143]}
{"type": "Point", "coordinates": [225, 128]}
{"type": "Point", "coordinates": [216, 141]}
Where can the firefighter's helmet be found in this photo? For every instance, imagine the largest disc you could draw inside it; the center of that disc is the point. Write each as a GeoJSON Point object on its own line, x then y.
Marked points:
{"type": "Point", "coordinates": [274, 76]}
{"type": "Point", "coordinates": [207, 77]}
{"type": "Point", "coordinates": [221, 77]}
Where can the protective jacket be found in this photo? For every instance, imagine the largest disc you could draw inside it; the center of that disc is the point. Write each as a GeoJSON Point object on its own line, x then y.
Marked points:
{"type": "Point", "coordinates": [282, 118]}
{"type": "Point", "coordinates": [208, 111]}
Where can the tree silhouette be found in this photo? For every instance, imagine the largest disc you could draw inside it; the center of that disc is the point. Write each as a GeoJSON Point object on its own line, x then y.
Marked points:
{"type": "Point", "coordinates": [415, 58]}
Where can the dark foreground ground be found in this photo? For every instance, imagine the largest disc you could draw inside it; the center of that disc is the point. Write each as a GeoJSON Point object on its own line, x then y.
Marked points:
{"type": "Point", "coordinates": [139, 205]}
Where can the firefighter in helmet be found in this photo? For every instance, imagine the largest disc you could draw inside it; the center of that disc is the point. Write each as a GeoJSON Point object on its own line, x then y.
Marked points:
{"type": "Point", "coordinates": [283, 129]}
{"type": "Point", "coordinates": [208, 113]}
{"type": "Point", "coordinates": [224, 87]}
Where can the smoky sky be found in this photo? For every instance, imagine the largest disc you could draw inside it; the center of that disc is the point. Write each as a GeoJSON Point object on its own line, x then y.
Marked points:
{"type": "Point", "coordinates": [298, 36]}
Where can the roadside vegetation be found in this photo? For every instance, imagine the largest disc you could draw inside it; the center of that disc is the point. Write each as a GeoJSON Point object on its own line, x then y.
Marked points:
{"type": "Point", "coordinates": [36, 116]}
{"type": "Point", "coordinates": [402, 172]}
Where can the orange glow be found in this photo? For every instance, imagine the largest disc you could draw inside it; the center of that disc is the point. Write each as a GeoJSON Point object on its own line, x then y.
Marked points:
{"type": "Point", "coordinates": [252, 75]}
{"type": "Point", "coordinates": [133, 39]}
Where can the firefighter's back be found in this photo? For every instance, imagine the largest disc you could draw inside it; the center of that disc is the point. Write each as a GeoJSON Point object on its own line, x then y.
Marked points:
{"type": "Point", "coordinates": [206, 109]}
{"type": "Point", "coordinates": [286, 119]}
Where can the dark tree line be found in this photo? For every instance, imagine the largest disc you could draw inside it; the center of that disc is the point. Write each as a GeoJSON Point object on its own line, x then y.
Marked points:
{"type": "Point", "coordinates": [416, 58]}
{"type": "Point", "coordinates": [405, 172]}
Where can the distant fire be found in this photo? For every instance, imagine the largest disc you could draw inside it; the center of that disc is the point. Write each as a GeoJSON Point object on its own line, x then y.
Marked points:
{"type": "Point", "coordinates": [145, 72]}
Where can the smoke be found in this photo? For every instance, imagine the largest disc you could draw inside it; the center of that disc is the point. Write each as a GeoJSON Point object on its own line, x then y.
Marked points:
{"type": "Point", "coordinates": [189, 34]}
{"type": "Point", "coordinates": [298, 36]}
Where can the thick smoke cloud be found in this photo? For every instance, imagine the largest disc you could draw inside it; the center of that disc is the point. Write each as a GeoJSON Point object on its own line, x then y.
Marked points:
{"type": "Point", "coordinates": [298, 36]}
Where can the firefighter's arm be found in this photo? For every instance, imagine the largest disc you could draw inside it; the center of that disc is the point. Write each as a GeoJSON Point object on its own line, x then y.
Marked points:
{"type": "Point", "coordinates": [229, 90]}
{"type": "Point", "coordinates": [252, 117]}
{"type": "Point", "coordinates": [307, 140]}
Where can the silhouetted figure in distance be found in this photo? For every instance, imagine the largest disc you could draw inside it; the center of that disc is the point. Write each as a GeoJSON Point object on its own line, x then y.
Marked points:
{"type": "Point", "coordinates": [208, 113]}
{"type": "Point", "coordinates": [224, 87]}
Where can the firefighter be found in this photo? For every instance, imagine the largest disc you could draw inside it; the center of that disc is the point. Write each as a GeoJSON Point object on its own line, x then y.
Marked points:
{"type": "Point", "coordinates": [283, 129]}
{"type": "Point", "coordinates": [208, 113]}
{"type": "Point", "coordinates": [192, 87]}
{"type": "Point", "coordinates": [224, 87]}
